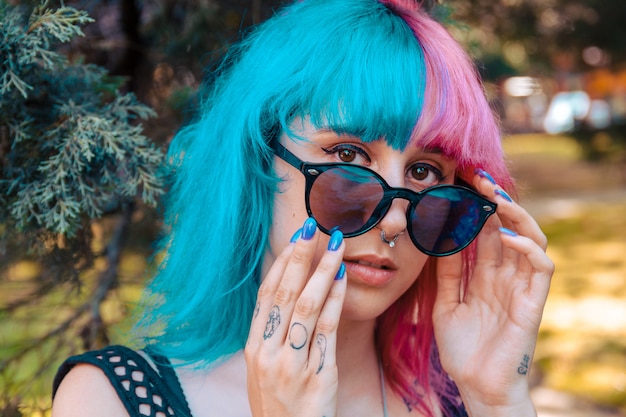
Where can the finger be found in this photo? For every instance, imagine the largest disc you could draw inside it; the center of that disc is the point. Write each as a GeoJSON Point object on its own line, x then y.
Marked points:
{"type": "Point", "coordinates": [520, 220]}
{"type": "Point", "coordinates": [491, 250]}
{"type": "Point", "coordinates": [449, 277]}
{"type": "Point", "coordinates": [323, 351]}
{"type": "Point", "coordinates": [262, 316]}
{"type": "Point", "coordinates": [266, 294]}
{"type": "Point", "coordinates": [488, 244]}
{"type": "Point", "coordinates": [511, 214]}
{"type": "Point", "coordinates": [292, 282]}
{"type": "Point", "coordinates": [542, 266]}
{"type": "Point", "coordinates": [307, 314]}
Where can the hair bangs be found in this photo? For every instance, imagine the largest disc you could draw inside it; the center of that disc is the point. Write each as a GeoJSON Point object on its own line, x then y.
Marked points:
{"type": "Point", "coordinates": [363, 75]}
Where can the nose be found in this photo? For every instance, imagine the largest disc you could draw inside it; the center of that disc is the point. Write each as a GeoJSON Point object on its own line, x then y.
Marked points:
{"type": "Point", "coordinates": [394, 221]}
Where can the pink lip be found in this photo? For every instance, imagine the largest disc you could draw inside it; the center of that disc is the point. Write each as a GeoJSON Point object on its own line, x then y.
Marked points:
{"type": "Point", "coordinates": [371, 270]}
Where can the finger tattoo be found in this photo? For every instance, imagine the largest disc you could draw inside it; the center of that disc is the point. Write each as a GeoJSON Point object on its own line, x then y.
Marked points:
{"type": "Point", "coordinates": [298, 336]}
{"type": "Point", "coordinates": [320, 342]}
{"type": "Point", "coordinates": [273, 320]}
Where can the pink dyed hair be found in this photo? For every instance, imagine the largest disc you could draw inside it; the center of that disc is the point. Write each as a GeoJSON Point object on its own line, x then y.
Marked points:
{"type": "Point", "coordinates": [457, 119]}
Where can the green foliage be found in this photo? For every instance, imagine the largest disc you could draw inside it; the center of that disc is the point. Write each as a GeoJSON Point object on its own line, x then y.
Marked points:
{"type": "Point", "coordinates": [71, 150]}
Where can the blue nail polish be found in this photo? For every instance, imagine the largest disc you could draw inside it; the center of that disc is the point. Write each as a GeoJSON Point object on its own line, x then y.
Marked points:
{"type": "Point", "coordinates": [309, 228]}
{"type": "Point", "coordinates": [485, 174]}
{"type": "Point", "coordinates": [296, 236]}
{"type": "Point", "coordinates": [341, 272]}
{"type": "Point", "coordinates": [504, 195]}
{"type": "Point", "coordinates": [508, 232]}
{"type": "Point", "coordinates": [335, 241]}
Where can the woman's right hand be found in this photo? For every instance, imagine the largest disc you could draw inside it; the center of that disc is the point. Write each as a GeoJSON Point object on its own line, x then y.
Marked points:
{"type": "Point", "coordinates": [291, 348]}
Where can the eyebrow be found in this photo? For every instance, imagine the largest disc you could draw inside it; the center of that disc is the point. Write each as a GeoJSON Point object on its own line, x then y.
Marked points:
{"type": "Point", "coordinates": [339, 131]}
{"type": "Point", "coordinates": [433, 149]}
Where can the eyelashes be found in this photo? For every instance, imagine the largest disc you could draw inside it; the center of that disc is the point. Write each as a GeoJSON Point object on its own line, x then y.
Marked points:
{"type": "Point", "coordinates": [348, 153]}
{"type": "Point", "coordinates": [421, 174]}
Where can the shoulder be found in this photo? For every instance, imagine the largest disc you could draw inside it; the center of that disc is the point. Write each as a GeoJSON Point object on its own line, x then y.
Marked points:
{"type": "Point", "coordinates": [117, 381]}
{"type": "Point", "coordinates": [86, 390]}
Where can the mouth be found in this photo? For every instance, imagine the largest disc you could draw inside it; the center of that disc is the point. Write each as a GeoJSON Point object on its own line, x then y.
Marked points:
{"type": "Point", "coordinates": [373, 262]}
{"type": "Point", "coordinates": [370, 270]}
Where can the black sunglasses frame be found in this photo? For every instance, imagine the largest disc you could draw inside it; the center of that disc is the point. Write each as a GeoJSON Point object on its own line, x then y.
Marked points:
{"type": "Point", "coordinates": [312, 171]}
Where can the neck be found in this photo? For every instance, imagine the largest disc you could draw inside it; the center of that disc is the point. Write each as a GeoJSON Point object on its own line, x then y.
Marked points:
{"type": "Point", "coordinates": [355, 344]}
{"type": "Point", "coordinates": [359, 373]}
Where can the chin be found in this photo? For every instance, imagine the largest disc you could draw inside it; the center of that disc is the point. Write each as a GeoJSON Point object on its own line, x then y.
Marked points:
{"type": "Point", "coordinates": [359, 306]}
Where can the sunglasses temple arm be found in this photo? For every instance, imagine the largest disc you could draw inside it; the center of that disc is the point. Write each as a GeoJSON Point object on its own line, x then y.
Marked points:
{"type": "Point", "coordinates": [285, 154]}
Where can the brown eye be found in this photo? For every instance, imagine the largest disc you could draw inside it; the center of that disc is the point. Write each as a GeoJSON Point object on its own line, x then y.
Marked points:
{"type": "Point", "coordinates": [346, 155]}
{"type": "Point", "coordinates": [425, 175]}
{"type": "Point", "coordinates": [420, 173]}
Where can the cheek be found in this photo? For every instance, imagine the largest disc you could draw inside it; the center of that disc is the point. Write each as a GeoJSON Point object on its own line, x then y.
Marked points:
{"type": "Point", "coordinates": [289, 212]}
{"type": "Point", "coordinates": [411, 266]}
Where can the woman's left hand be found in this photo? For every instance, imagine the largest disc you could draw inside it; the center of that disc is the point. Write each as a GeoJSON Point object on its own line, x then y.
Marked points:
{"type": "Point", "coordinates": [486, 332]}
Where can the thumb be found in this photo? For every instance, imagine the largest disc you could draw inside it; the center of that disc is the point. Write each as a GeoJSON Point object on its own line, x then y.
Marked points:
{"type": "Point", "coordinates": [449, 278]}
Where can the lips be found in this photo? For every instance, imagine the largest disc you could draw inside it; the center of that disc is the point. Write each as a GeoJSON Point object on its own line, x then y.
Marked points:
{"type": "Point", "coordinates": [370, 270]}
{"type": "Point", "coordinates": [373, 261]}
{"type": "Point", "coordinates": [373, 265]}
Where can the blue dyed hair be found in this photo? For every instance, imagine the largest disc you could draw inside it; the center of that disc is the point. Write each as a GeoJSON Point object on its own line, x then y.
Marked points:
{"type": "Point", "coordinates": [351, 65]}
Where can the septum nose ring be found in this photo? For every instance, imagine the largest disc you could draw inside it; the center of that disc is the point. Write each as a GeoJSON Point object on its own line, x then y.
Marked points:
{"type": "Point", "coordinates": [391, 242]}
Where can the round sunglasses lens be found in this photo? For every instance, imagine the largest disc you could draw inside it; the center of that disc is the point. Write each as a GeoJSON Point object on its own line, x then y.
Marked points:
{"type": "Point", "coordinates": [344, 197]}
{"type": "Point", "coordinates": [446, 219]}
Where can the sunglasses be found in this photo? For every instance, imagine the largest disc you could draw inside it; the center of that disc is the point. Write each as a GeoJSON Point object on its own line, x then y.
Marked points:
{"type": "Point", "coordinates": [441, 220]}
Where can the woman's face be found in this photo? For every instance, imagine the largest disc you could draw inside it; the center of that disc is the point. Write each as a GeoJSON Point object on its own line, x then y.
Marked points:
{"type": "Point", "coordinates": [377, 273]}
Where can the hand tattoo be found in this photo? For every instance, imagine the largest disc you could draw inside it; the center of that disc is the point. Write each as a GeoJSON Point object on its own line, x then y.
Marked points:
{"type": "Point", "coordinates": [320, 342]}
{"type": "Point", "coordinates": [524, 365]}
{"type": "Point", "coordinates": [273, 320]}
{"type": "Point", "coordinates": [298, 336]}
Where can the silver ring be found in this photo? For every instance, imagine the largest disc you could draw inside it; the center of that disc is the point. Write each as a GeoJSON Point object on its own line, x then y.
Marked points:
{"type": "Point", "coordinates": [392, 242]}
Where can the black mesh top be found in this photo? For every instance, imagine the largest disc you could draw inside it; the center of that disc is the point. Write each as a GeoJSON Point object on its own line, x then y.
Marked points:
{"type": "Point", "coordinates": [144, 391]}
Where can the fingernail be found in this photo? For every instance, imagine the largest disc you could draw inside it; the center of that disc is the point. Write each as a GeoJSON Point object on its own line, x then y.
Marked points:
{"type": "Point", "coordinates": [504, 195]}
{"type": "Point", "coordinates": [335, 240]}
{"type": "Point", "coordinates": [484, 174]}
{"type": "Point", "coordinates": [508, 232]}
{"type": "Point", "coordinates": [296, 236]}
{"type": "Point", "coordinates": [341, 272]}
{"type": "Point", "coordinates": [308, 230]}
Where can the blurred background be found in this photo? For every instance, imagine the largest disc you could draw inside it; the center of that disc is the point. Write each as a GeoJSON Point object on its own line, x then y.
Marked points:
{"type": "Point", "coordinates": [555, 72]}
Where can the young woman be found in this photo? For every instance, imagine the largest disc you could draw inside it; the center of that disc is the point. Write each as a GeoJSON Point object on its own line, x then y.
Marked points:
{"type": "Point", "coordinates": [341, 238]}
